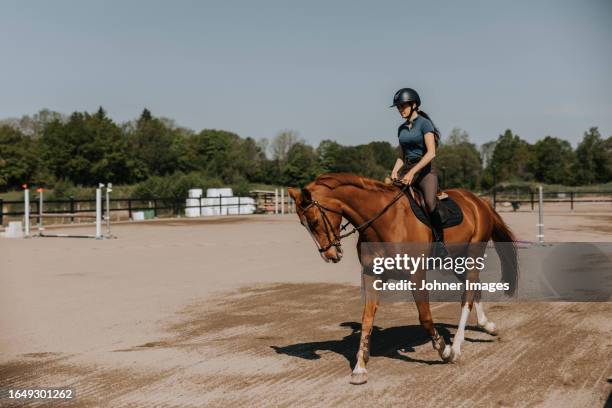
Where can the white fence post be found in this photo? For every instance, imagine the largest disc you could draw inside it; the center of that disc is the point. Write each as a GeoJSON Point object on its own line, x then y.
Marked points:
{"type": "Point", "coordinates": [276, 201]}
{"type": "Point", "coordinates": [282, 201]}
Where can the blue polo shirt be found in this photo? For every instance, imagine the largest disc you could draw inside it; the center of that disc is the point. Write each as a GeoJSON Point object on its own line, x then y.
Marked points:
{"type": "Point", "coordinates": [413, 140]}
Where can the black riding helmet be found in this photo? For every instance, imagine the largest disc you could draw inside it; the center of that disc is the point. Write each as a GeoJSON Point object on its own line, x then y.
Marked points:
{"type": "Point", "coordinates": [406, 95]}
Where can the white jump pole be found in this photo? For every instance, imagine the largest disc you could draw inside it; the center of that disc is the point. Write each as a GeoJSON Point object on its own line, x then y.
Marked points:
{"type": "Point", "coordinates": [98, 213]}
{"type": "Point", "coordinates": [276, 201]}
{"type": "Point", "coordinates": [27, 216]}
{"type": "Point", "coordinates": [26, 211]}
{"type": "Point", "coordinates": [109, 188]}
{"type": "Point", "coordinates": [40, 210]}
{"type": "Point", "coordinates": [282, 201]}
{"type": "Point", "coordinates": [540, 216]}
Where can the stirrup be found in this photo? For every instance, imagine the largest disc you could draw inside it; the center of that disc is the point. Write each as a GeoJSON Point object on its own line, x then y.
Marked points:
{"type": "Point", "coordinates": [439, 249]}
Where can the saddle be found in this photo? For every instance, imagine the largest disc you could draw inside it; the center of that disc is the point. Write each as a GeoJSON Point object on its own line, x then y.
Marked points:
{"type": "Point", "coordinates": [417, 204]}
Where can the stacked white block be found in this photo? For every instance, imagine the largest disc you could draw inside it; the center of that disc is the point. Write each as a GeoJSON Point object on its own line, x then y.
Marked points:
{"type": "Point", "coordinates": [192, 204]}
{"type": "Point", "coordinates": [138, 216]}
{"type": "Point", "coordinates": [228, 205]}
{"type": "Point", "coordinates": [216, 192]}
{"type": "Point", "coordinates": [218, 201]}
{"type": "Point", "coordinates": [14, 230]}
{"type": "Point", "coordinates": [195, 193]}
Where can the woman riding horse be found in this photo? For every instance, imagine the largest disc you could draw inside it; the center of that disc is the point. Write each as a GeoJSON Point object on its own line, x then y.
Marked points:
{"type": "Point", "coordinates": [418, 138]}
{"type": "Point", "coordinates": [381, 213]}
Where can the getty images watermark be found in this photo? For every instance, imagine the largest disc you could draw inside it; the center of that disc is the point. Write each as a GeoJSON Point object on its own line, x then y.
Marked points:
{"type": "Point", "coordinates": [405, 263]}
{"type": "Point", "coordinates": [578, 271]}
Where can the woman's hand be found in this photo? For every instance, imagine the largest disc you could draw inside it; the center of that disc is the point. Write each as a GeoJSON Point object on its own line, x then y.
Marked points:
{"type": "Point", "coordinates": [398, 164]}
{"type": "Point", "coordinates": [409, 177]}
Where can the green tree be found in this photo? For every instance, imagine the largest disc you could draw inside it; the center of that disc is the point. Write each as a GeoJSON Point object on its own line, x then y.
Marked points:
{"type": "Point", "coordinates": [18, 158]}
{"type": "Point", "coordinates": [33, 126]}
{"type": "Point", "coordinates": [607, 149]}
{"type": "Point", "coordinates": [87, 149]}
{"type": "Point", "coordinates": [331, 157]}
{"type": "Point", "coordinates": [301, 166]}
{"type": "Point", "coordinates": [378, 159]}
{"type": "Point", "coordinates": [512, 158]}
{"type": "Point", "coordinates": [486, 152]}
{"type": "Point", "coordinates": [458, 161]}
{"type": "Point", "coordinates": [593, 158]}
{"type": "Point", "coordinates": [374, 159]}
{"type": "Point", "coordinates": [248, 159]}
{"type": "Point", "coordinates": [553, 161]}
{"type": "Point", "coordinates": [157, 147]}
{"type": "Point", "coordinates": [282, 143]}
{"type": "Point", "coordinates": [457, 136]}
{"type": "Point", "coordinates": [212, 152]}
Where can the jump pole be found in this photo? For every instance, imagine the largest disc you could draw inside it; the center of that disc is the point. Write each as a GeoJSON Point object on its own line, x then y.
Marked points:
{"type": "Point", "coordinates": [40, 210]}
{"type": "Point", "coordinates": [26, 210]}
{"type": "Point", "coordinates": [41, 215]}
{"type": "Point", "coordinates": [109, 188]}
{"type": "Point", "coordinates": [540, 224]}
{"type": "Point", "coordinates": [98, 213]}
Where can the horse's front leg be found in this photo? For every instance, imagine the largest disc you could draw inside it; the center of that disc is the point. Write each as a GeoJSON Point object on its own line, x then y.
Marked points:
{"type": "Point", "coordinates": [421, 298]}
{"type": "Point", "coordinates": [360, 373]}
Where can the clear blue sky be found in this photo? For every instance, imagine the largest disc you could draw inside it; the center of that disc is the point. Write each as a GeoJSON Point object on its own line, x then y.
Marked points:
{"type": "Point", "coordinates": [327, 69]}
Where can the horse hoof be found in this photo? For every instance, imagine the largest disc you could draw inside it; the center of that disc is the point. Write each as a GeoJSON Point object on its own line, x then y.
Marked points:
{"type": "Point", "coordinates": [489, 328]}
{"type": "Point", "coordinates": [358, 378]}
{"type": "Point", "coordinates": [455, 357]}
{"type": "Point", "coordinates": [446, 354]}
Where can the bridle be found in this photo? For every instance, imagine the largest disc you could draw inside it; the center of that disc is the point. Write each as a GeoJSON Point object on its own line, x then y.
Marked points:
{"type": "Point", "coordinates": [329, 230]}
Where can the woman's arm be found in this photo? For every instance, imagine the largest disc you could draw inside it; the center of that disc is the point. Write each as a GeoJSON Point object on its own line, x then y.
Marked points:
{"type": "Point", "coordinates": [398, 165]}
{"type": "Point", "coordinates": [430, 143]}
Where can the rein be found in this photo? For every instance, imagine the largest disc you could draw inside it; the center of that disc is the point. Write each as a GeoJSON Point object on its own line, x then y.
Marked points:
{"type": "Point", "coordinates": [360, 228]}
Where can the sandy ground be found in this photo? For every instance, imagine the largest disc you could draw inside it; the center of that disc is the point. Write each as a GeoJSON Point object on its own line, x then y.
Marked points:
{"type": "Point", "coordinates": [242, 311]}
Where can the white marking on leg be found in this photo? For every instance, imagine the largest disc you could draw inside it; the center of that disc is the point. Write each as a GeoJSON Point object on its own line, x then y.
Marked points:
{"type": "Point", "coordinates": [359, 370]}
{"type": "Point", "coordinates": [460, 335]}
{"type": "Point", "coordinates": [483, 322]}
{"type": "Point", "coordinates": [480, 314]}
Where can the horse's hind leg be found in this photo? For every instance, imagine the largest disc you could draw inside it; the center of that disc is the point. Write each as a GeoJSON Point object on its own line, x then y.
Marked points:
{"type": "Point", "coordinates": [467, 302]}
{"type": "Point", "coordinates": [360, 374]}
{"type": "Point", "coordinates": [484, 323]}
{"type": "Point", "coordinates": [421, 298]}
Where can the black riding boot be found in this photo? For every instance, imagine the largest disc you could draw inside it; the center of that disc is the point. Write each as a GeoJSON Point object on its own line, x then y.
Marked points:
{"type": "Point", "coordinates": [438, 217]}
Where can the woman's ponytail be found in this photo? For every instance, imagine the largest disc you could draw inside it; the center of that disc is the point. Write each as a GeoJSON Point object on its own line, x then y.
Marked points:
{"type": "Point", "coordinates": [436, 131]}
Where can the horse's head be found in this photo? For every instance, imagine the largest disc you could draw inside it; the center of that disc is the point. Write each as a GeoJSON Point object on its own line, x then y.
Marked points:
{"type": "Point", "coordinates": [322, 218]}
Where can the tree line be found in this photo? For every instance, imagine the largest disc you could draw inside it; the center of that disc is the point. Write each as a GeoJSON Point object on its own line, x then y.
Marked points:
{"type": "Point", "coordinates": [84, 148]}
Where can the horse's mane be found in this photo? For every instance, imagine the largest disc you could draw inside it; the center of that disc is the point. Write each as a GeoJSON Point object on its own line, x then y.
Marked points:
{"type": "Point", "coordinates": [334, 180]}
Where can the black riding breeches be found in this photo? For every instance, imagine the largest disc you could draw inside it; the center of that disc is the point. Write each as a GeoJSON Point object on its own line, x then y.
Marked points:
{"type": "Point", "coordinates": [427, 181]}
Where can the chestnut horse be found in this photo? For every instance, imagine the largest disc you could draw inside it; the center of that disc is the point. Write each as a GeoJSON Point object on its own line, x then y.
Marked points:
{"type": "Point", "coordinates": [382, 213]}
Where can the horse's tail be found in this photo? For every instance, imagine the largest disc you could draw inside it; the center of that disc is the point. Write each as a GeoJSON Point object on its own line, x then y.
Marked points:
{"type": "Point", "coordinates": [505, 245]}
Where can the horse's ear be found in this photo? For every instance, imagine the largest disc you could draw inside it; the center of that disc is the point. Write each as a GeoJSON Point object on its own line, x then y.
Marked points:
{"type": "Point", "coordinates": [294, 193]}
{"type": "Point", "coordinates": [306, 197]}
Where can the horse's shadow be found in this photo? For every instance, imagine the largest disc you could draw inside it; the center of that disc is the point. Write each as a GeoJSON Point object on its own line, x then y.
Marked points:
{"type": "Point", "coordinates": [392, 342]}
